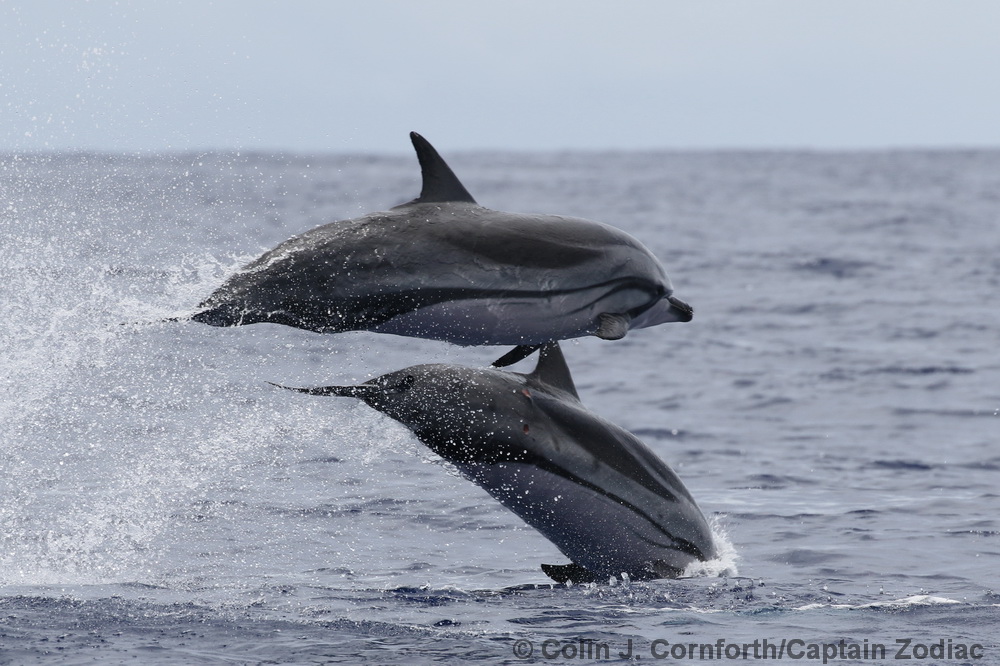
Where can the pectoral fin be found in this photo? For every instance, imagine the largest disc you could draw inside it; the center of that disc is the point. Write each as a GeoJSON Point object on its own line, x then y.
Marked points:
{"type": "Point", "coordinates": [516, 354]}
{"type": "Point", "coordinates": [612, 326]}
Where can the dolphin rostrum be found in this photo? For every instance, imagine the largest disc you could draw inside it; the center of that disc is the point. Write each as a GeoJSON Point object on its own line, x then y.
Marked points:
{"type": "Point", "coordinates": [444, 267]}
{"type": "Point", "coordinates": [594, 490]}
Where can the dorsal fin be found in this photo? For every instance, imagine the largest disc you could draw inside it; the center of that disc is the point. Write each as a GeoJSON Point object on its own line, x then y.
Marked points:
{"type": "Point", "coordinates": [440, 182]}
{"type": "Point", "coordinates": [552, 369]}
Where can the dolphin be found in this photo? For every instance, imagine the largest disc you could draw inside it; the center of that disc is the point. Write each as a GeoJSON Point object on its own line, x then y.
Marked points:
{"type": "Point", "coordinates": [445, 268]}
{"type": "Point", "coordinates": [593, 489]}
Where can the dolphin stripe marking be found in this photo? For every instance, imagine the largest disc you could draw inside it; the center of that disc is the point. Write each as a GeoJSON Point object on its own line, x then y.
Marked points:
{"type": "Point", "coordinates": [377, 311]}
{"type": "Point", "coordinates": [434, 297]}
{"type": "Point", "coordinates": [627, 465]}
{"type": "Point", "coordinates": [682, 544]}
{"type": "Point", "coordinates": [599, 513]}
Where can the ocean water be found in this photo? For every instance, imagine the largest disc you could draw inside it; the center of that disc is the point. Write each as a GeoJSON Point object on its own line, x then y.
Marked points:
{"type": "Point", "coordinates": [834, 408]}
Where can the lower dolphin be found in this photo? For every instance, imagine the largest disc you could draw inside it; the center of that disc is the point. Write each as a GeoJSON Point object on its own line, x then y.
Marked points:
{"type": "Point", "coordinates": [593, 489]}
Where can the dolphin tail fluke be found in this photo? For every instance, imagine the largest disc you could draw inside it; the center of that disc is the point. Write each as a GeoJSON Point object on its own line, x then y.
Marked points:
{"type": "Point", "coordinates": [518, 353]}
{"type": "Point", "coordinates": [563, 573]}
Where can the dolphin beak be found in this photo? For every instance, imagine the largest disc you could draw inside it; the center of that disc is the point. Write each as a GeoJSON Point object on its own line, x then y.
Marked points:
{"type": "Point", "coordinates": [362, 392]}
{"type": "Point", "coordinates": [668, 309]}
{"type": "Point", "coordinates": [680, 309]}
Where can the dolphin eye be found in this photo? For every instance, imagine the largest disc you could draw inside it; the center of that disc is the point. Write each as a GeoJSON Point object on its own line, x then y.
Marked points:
{"type": "Point", "coordinates": [401, 386]}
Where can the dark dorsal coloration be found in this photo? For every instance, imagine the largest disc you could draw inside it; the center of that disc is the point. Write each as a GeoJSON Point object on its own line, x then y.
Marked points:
{"type": "Point", "coordinates": [440, 184]}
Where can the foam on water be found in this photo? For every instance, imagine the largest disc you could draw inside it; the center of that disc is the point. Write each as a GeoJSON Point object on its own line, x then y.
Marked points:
{"type": "Point", "coordinates": [905, 602]}
{"type": "Point", "coordinates": [724, 564]}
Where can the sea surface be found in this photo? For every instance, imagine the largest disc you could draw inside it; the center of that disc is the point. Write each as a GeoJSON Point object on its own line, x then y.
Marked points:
{"type": "Point", "coordinates": [834, 408]}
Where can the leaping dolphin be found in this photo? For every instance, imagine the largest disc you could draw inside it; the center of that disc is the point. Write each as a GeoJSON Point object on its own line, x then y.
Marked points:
{"type": "Point", "coordinates": [594, 490]}
{"type": "Point", "coordinates": [444, 267]}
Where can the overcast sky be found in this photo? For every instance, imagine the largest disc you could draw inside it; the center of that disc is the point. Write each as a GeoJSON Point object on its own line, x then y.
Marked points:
{"type": "Point", "coordinates": [356, 76]}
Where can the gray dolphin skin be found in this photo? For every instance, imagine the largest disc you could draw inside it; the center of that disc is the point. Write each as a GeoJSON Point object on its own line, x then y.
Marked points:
{"type": "Point", "coordinates": [594, 490]}
{"type": "Point", "coordinates": [445, 268]}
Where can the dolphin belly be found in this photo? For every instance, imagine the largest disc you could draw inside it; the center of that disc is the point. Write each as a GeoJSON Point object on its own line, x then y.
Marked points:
{"type": "Point", "coordinates": [595, 530]}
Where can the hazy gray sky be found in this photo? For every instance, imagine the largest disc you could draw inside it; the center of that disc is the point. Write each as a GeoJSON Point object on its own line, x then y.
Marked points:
{"type": "Point", "coordinates": [512, 74]}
